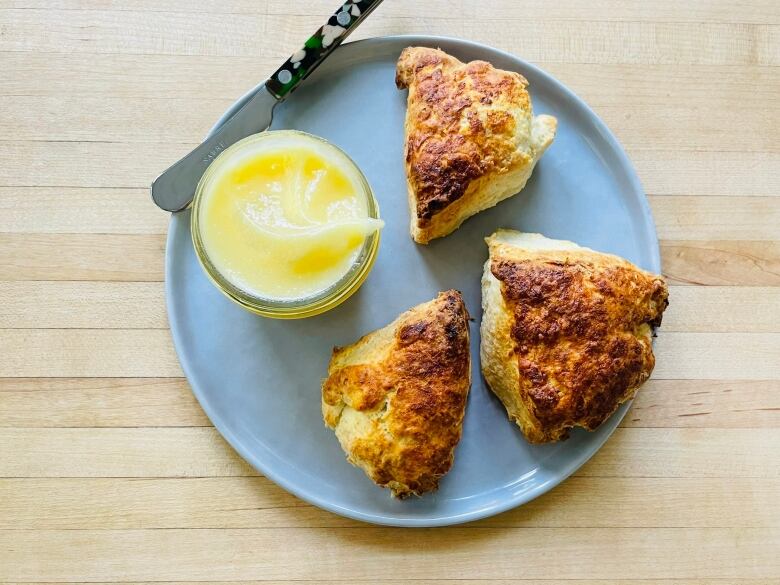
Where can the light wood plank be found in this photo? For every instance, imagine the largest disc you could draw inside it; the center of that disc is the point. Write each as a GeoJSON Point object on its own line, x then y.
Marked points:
{"type": "Point", "coordinates": [361, 553]}
{"type": "Point", "coordinates": [255, 502]}
{"type": "Point", "coordinates": [707, 217]}
{"type": "Point", "coordinates": [668, 126]}
{"type": "Point", "coordinates": [610, 84]}
{"type": "Point", "coordinates": [98, 402]}
{"type": "Point", "coordinates": [728, 309]}
{"type": "Point", "coordinates": [141, 305]}
{"type": "Point", "coordinates": [145, 76]}
{"type": "Point", "coordinates": [140, 257]}
{"type": "Point", "coordinates": [82, 257]}
{"type": "Point", "coordinates": [212, 78]}
{"type": "Point", "coordinates": [739, 263]}
{"type": "Point", "coordinates": [706, 404]}
{"type": "Point", "coordinates": [201, 452]}
{"type": "Point", "coordinates": [758, 12]}
{"type": "Point", "coordinates": [120, 452]}
{"type": "Point", "coordinates": [720, 356]}
{"type": "Point", "coordinates": [146, 120]}
{"type": "Point", "coordinates": [81, 164]}
{"type": "Point", "coordinates": [762, 12]}
{"type": "Point", "coordinates": [153, 402]}
{"type": "Point", "coordinates": [87, 352]}
{"type": "Point", "coordinates": [598, 41]}
{"type": "Point", "coordinates": [236, 502]}
{"type": "Point", "coordinates": [131, 211]}
{"type": "Point", "coordinates": [140, 32]}
{"type": "Point", "coordinates": [149, 353]}
{"type": "Point", "coordinates": [150, 120]}
{"type": "Point", "coordinates": [658, 453]}
{"type": "Point", "coordinates": [80, 211]}
{"type": "Point", "coordinates": [515, 581]}
{"type": "Point", "coordinates": [714, 173]}
{"type": "Point", "coordinates": [111, 31]}
{"type": "Point", "coordinates": [65, 305]}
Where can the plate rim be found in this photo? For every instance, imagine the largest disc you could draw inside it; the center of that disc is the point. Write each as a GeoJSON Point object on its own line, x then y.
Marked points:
{"type": "Point", "coordinates": [310, 496]}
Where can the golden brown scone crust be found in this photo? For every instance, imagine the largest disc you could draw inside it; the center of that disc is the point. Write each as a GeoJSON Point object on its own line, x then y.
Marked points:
{"type": "Point", "coordinates": [397, 396]}
{"type": "Point", "coordinates": [471, 138]}
{"type": "Point", "coordinates": [567, 333]}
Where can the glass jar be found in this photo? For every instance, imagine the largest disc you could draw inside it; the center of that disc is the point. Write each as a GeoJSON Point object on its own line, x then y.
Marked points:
{"type": "Point", "coordinates": [287, 308]}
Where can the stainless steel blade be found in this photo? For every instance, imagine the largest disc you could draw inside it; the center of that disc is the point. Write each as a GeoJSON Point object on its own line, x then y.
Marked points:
{"type": "Point", "coordinates": [174, 189]}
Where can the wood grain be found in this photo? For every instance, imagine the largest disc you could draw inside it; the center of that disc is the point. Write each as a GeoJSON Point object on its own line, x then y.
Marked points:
{"type": "Point", "coordinates": [706, 404]}
{"type": "Point", "coordinates": [158, 402]}
{"type": "Point", "coordinates": [67, 353]}
{"type": "Point", "coordinates": [141, 305]}
{"type": "Point", "coordinates": [83, 164]}
{"type": "Point", "coordinates": [722, 309]}
{"type": "Point", "coordinates": [740, 263]}
{"type": "Point", "coordinates": [760, 12]}
{"type": "Point", "coordinates": [87, 352]}
{"type": "Point", "coordinates": [130, 211]}
{"type": "Point", "coordinates": [145, 555]}
{"type": "Point", "coordinates": [207, 77]}
{"type": "Point", "coordinates": [201, 452]}
{"type": "Point", "coordinates": [186, 33]}
{"type": "Point", "coordinates": [137, 120]}
{"type": "Point", "coordinates": [109, 470]}
{"type": "Point", "coordinates": [764, 12]}
{"type": "Point", "coordinates": [724, 173]}
{"type": "Point", "coordinates": [79, 211]}
{"type": "Point", "coordinates": [80, 164]}
{"type": "Point", "coordinates": [120, 452]}
{"type": "Point", "coordinates": [82, 305]}
{"type": "Point", "coordinates": [102, 402]}
{"type": "Point", "coordinates": [133, 257]}
{"type": "Point", "coordinates": [139, 257]}
{"type": "Point", "coordinates": [707, 217]}
{"type": "Point", "coordinates": [255, 502]}
{"type": "Point", "coordinates": [513, 581]}
{"type": "Point", "coordinates": [724, 356]}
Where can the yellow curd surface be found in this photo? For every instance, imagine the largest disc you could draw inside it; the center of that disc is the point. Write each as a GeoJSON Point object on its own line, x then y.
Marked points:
{"type": "Point", "coordinates": [286, 218]}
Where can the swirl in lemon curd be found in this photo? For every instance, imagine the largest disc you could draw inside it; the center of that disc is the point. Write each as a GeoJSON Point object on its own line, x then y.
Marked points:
{"type": "Point", "coordinates": [285, 219]}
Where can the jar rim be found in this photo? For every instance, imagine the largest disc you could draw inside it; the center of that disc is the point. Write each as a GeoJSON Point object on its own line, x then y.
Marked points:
{"type": "Point", "coordinates": [308, 306]}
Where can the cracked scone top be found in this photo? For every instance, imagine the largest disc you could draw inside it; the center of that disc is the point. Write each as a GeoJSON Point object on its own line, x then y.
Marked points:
{"type": "Point", "coordinates": [566, 332]}
{"type": "Point", "coordinates": [471, 138]}
{"type": "Point", "coordinates": [396, 398]}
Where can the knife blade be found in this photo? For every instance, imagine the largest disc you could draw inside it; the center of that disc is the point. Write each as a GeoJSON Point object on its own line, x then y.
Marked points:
{"type": "Point", "coordinates": [173, 190]}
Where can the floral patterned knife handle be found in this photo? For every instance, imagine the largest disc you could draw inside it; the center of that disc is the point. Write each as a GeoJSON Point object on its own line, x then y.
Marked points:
{"type": "Point", "coordinates": [320, 45]}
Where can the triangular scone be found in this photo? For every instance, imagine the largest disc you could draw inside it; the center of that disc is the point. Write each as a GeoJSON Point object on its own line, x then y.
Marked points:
{"type": "Point", "coordinates": [471, 138]}
{"type": "Point", "coordinates": [566, 331]}
{"type": "Point", "coordinates": [396, 397]}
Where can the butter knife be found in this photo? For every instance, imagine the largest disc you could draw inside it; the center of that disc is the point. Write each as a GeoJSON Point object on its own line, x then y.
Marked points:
{"type": "Point", "coordinates": [174, 189]}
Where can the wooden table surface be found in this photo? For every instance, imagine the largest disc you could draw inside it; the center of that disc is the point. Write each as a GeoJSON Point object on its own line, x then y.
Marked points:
{"type": "Point", "coordinates": [109, 470]}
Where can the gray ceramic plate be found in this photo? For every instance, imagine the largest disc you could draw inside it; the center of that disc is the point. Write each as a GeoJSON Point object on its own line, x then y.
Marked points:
{"type": "Point", "coordinates": [259, 379]}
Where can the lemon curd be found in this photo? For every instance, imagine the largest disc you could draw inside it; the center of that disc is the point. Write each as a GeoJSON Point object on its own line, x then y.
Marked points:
{"type": "Point", "coordinates": [284, 217]}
